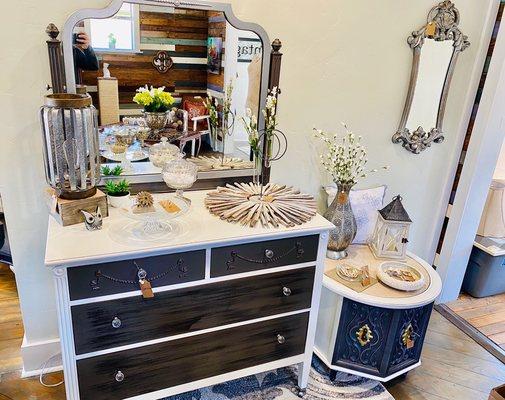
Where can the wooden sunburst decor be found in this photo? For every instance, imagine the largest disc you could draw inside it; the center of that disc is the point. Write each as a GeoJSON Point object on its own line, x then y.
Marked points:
{"type": "Point", "coordinates": [205, 163]}
{"type": "Point", "coordinates": [246, 204]}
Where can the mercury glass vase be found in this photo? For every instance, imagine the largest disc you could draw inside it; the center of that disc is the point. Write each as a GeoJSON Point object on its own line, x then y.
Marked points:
{"type": "Point", "coordinates": [156, 120]}
{"type": "Point", "coordinates": [340, 214]}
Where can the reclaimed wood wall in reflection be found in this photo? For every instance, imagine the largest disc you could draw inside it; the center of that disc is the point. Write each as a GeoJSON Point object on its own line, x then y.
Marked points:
{"type": "Point", "coordinates": [183, 33]}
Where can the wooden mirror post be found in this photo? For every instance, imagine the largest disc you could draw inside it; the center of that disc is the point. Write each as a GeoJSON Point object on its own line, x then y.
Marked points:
{"type": "Point", "coordinates": [56, 64]}
{"type": "Point", "coordinates": [273, 81]}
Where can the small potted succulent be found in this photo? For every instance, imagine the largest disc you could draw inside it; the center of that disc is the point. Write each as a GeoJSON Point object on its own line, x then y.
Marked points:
{"type": "Point", "coordinates": [156, 103]}
{"type": "Point", "coordinates": [108, 171]}
{"type": "Point", "coordinates": [118, 193]}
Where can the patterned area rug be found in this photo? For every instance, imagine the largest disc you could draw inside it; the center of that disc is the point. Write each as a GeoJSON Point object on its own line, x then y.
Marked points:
{"type": "Point", "coordinates": [281, 385]}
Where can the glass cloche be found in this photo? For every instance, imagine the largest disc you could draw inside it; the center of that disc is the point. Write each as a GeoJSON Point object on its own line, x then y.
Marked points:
{"type": "Point", "coordinates": [180, 174]}
{"type": "Point", "coordinates": [162, 152]}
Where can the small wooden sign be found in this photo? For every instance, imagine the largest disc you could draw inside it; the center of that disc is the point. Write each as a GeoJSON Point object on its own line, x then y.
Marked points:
{"type": "Point", "coordinates": [145, 287]}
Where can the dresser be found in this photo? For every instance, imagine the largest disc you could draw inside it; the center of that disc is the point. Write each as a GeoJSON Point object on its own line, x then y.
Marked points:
{"type": "Point", "coordinates": [377, 333]}
{"type": "Point", "coordinates": [227, 301]}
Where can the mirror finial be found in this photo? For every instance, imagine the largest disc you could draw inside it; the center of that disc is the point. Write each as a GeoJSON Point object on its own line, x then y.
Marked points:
{"type": "Point", "coordinates": [52, 31]}
{"type": "Point", "coordinates": [276, 45]}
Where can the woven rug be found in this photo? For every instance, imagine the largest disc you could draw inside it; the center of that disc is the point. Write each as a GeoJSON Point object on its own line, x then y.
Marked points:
{"type": "Point", "coordinates": [281, 385]}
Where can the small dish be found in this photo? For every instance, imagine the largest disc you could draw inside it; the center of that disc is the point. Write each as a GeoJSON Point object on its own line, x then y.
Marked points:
{"type": "Point", "coordinates": [400, 276]}
{"type": "Point", "coordinates": [349, 272]}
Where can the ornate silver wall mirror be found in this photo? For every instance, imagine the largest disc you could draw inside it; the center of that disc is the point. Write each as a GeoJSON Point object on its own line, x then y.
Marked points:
{"type": "Point", "coordinates": [436, 47]}
{"type": "Point", "coordinates": [205, 47]}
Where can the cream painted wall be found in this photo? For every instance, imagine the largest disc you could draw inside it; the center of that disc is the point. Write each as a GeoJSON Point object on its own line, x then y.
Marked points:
{"type": "Point", "coordinates": [343, 61]}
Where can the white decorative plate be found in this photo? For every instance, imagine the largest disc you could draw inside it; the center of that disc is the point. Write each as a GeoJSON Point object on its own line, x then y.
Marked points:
{"type": "Point", "coordinates": [133, 156]}
{"type": "Point", "coordinates": [400, 276]}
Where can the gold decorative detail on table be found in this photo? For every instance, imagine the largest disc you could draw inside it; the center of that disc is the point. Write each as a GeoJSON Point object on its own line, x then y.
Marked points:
{"type": "Point", "coordinates": [212, 163]}
{"type": "Point", "coordinates": [364, 335]}
{"type": "Point", "coordinates": [271, 205]}
{"type": "Point", "coordinates": [407, 334]}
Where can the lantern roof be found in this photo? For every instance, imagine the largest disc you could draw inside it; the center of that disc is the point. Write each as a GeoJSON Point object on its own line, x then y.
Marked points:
{"type": "Point", "coordinates": [395, 211]}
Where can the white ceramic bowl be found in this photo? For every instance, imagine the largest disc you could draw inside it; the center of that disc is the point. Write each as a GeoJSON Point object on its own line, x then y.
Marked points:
{"type": "Point", "coordinates": [397, 283]}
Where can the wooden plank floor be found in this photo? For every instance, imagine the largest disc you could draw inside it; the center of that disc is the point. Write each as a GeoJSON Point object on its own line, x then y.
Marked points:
{"type": "Point", "coordinates": [486, 314]}
{"type": "Point", "coordinates": [454, 366]}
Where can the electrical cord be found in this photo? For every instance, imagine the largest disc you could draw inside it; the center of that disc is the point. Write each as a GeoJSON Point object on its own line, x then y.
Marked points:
{"type": "Point", "coordinates": [43, 372]}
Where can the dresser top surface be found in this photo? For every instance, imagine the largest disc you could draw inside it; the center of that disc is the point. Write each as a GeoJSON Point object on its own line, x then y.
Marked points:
{"type": "Point", "coordinates": [74, 245]}
{"type": "Point", "coordinates": [379, 294]}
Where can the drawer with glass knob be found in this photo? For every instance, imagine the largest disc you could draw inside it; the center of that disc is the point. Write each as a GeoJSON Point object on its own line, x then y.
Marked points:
{"type": "Point", "coordinates": [123, 276]}
{"type": "Point", "coordinates": [256, 256]}
{"type": "Point", "coordinates": [106, 324]}
{"type": "Point", "coordinates": [123, 374]}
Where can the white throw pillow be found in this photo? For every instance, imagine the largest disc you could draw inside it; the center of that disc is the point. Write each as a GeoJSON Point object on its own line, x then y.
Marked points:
{"type": "Point", "coordinates": [364, 203]}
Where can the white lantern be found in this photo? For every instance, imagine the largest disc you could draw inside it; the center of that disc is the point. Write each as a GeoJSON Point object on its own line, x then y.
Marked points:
{"type": "Point", "coordinates": [391, 233]}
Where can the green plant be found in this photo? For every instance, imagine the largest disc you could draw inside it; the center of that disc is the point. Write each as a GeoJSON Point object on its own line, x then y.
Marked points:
{"type": "Point", "coordinates": [116, 171]}
{"type": "Point", "coordinates": [117, 188]}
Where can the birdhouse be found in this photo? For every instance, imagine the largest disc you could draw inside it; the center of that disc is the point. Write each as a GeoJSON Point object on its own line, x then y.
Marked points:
{"type": "Point", "coordinates": [391, 233]}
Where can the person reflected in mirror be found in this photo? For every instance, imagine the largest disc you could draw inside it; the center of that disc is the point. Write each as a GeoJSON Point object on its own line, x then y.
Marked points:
{"type": "Point", "coordinates": [84, 56]}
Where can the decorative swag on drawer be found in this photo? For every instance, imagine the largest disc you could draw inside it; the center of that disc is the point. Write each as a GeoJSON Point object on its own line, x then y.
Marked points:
{"type": "Point", "coordinates": [122, 276]}
{"type": "Point", "coordinates": [252, 257]}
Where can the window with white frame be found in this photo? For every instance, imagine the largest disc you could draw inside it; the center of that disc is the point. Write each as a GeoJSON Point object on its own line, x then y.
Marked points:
{"type": "Point", "coordinates": [119, 33]}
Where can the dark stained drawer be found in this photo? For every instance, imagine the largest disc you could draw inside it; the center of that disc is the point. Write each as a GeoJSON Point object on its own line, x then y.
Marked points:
{"type": "Point", "coordinates": [121, 276]}
{"type": "Point", "coordinates": [260, 255]}
{"type": "Point", "coordinates": [113, 323]}
{"type": "Point", "coordinates": [138, 371]}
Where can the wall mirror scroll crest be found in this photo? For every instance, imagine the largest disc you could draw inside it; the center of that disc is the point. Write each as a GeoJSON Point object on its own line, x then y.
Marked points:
{"type": "Point", "coordinates": [191, 48]}
{"type": "Point", "coordinates": [436, 47]}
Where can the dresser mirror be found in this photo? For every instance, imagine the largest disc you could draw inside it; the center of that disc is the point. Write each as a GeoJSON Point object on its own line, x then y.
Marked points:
{"type": "Point", "coordinates": [190, 48]}
{"type": "Point", "coordinates": [436, 47]}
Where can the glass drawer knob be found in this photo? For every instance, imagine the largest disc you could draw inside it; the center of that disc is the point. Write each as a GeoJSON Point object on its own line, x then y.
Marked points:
{"type": "Point", "coordinates": [116, 323]}
{"type": "Point", "coordinates": [286, 291]}
{"type": "Point", "coordinates": [281, 339]}
{"type": "Point", "coordinates": [269, 254]}
{"type": "Point", "coordinates": [119, 376]}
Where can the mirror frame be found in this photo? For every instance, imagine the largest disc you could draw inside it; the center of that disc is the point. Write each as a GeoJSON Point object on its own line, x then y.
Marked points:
{"type": "Point", "coordinates": [444, 18]}
{"type": "Point", "coordinates": [214, 178]}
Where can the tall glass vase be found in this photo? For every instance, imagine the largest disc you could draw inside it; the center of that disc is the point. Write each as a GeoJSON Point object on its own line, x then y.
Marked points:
{"type": "Point", "coordinates": [257, 168]}
{"type": "Point", "coordinates": [340, 214]}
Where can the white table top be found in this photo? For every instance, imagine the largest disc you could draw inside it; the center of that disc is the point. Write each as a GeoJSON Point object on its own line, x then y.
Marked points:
{"type": "Point", "coordinates": [74, 245]}
{"type": "Point", "coordinates": [380, 295]}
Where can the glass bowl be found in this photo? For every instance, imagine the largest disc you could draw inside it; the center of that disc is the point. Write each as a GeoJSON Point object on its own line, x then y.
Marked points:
{"type": "Point", "coordinates": [180, 174]}
{"type": "Point", "coordinates": [163, 152]}
{"type": "Point", "coordinates": [125, 136]}
{"type": "Point", "coordinates": [155, 221]}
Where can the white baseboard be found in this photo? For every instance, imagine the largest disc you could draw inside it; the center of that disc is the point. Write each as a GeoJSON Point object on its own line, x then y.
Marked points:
{"type": "Point", "coordinates": [37, 356]}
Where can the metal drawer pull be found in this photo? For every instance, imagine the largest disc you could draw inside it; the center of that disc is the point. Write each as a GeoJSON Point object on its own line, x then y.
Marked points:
{"type": "Point", "coordinates": [116, 323]}
{"type": "Point", "coordinates": [281, 339]}
{"type": "Point", "coordinates": [364, 335]}
{"type": "Point", "coordinates": [286, 291]}
{"type": "Point", "coordinates": [119, 376]}
{"type": "Point", "coordinates": [269, 253]}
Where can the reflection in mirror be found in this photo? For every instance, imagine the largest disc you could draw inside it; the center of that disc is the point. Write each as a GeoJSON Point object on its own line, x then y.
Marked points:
{"type": "Point", "coordinates": [436, 47]}
{"type": "Point", "coordinates": [191, 54]}
{"type": "Point", "coordinates": [433, 63]}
